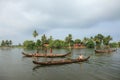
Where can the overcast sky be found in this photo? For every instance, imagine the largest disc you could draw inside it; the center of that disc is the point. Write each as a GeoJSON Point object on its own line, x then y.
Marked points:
{"type": "Point", "coordinates": [81, 18]}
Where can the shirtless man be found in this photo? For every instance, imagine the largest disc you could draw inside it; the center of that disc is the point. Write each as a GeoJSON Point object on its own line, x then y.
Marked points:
{"type": "Point", "coordinates": [81, 56]}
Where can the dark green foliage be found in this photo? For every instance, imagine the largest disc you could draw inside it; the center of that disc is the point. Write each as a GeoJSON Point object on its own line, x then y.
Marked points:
{"type": "Point", "coordinates": [102, 40]}
{"type": "Point", "coordinates": [107, 39]}
{"type": "Point", "coordinates": [38, 43]}
{"type": "Point", "coordinates": [43, 40]}
{"type": "Point", "coordinates": [68, 40]}
{"type": "Point", "coordinates": [58, 44]}
{"type": "Point", "coordinates": [35, 34]}
{"type": "Point", "coordinates": [77, 41]}
{"type": "Point", "coordinates": [98, 39]}
{"type": "Point", "coordinates": [113, 45]}
{"type": "Point", "coordinates": [90, 44]}
{"type": "Point", "coordinates": [29, 44]}
{"type": "Point", "coordinates": [118, 44]}
{"type": "Point", "coordinates": [6, 43]}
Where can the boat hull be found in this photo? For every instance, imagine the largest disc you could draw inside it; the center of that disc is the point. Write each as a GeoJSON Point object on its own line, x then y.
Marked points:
{"type": "Point", "coordinates": [60, 62]}
{"type": "Point", "coordinates": [45, 55]}
{"type": "Point", "coordinates": [104, 51]}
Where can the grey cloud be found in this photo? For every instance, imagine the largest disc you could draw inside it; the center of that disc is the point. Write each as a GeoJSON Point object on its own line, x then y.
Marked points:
{"type": "Point", "coordinates": [61, 13]}
{"type": "Point", "coordinates": [23, 16]}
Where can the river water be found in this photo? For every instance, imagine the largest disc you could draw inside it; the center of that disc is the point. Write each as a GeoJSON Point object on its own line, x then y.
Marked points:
{"type": "Point", "coordinates": [13, 66]}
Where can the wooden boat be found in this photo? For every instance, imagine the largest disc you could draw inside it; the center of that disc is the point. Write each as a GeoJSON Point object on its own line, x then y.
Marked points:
{"type": "Point", "coordinates": [105, 51]}
{"type": "Point", "coordinates": [45, 55]}
{"type": "Point", "coordinates": [60, 62]}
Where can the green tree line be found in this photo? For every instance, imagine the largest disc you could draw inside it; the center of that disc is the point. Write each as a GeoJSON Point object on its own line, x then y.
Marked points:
{"type": "Point", "coordinates": [92, 42]}
{"type": "Point", "coordinates": [6, 43]}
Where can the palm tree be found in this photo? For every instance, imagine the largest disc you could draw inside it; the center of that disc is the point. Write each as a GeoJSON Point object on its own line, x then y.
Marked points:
{"type": "Point", "coordinates": [50, 41]}
{"type": "Point", "coordinates": [106, 40]}
{"type": "Point", "coordinates": [99, 37]}
{"type": "Point", "coordinates": [10, 43]}
{"type": "Point", "coordinates": [98, 40]}
{"type": "Point", "coordinates": [43, 40]}
{"type": "Point", "coordinates": [77, 41]}
{"type": "Point", "coordinates": [85, 40]}
{"type": "Point", "coordinates": [119, 44]}
{"type": "Point", "coordinates": [68, 39]}
{"type": "Point", "coordinates": [35, 34]}
{"type": "Point", "coordinates": [3, 43]}
{"type": "Point", "coordinates": [7, 43]}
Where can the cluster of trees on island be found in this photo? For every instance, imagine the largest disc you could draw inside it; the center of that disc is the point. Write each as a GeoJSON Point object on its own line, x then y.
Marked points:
{"type": "Point", "coordinates": [7, 43]}
{"type": "Point", "coordinates": [91, 42]}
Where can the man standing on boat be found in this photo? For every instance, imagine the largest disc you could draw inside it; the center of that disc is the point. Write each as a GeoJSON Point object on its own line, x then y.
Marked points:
{"type": "Point", "coordinates": [51, 50]}
{"type": "Point", "coordinates": [35, 55]}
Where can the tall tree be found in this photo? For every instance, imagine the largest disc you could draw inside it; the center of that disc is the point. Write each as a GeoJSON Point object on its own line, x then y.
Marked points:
{"type": "Point", "coordinates": [58, 44]}
{"type": "Point", "coordinates": [90, 43]}
{"type": "Point", "coordinates": [43, 40]}
{"type": "Point", "coordinates": [77, 41]}
{"type": "Point", "coordinates": [68, 39]}
{"type": "Point", "coordinates": [35, 34]}
{"type": "Point", "coordinates": [7, 43]}
{"type": "Point", "coordinates": [119, 44]}
{"type": "Point", "coordinates": [50, 41]}
{"type": "Point", "coordinates": [85, 40]}
{"type": "Point", "coordinates": [3, 43]}
{"type": "Point", "coordinates": [98, 40]}
{"type": "Point", "coordinates": [10, 43]}
{"type": "Point", "coordinates": [107, 40]}
{"type": "Point", "coordinates": [29, 44]}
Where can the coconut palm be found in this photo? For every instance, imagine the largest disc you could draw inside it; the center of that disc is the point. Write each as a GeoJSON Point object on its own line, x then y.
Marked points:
{"type": "Point", "coordinates": [106, 40]}
{"type": "Point", "coordinates": [43, 40]}
{"type": "Point", "coordinates": [85, 40]}
{"type": "Point", "coordinates": [50, 41]}
{"type": "Point", "coordinates": [10, 43]}
{"type": "Point", "coordinates": [68, 39]}
{"type": "Point", "coordinates": [35, 34]}
{"type": "Point", "coordinates": [98, 40]}
{"type": "Point", "coordinates": [77, 41]}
